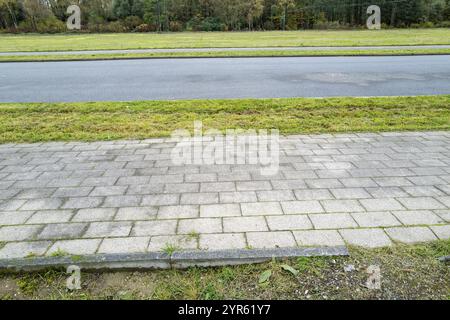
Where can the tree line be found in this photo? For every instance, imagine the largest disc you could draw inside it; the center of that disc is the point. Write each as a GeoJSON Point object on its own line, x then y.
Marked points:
{"type": "Point", "coordinates": [217, 15]}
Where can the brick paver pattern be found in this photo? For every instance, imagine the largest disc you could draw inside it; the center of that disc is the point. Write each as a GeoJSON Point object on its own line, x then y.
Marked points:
{"type": "Point", "coordinates": [126, 196]}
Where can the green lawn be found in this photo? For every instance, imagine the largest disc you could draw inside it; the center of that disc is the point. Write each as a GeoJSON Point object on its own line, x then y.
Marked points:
{"type": "Point", "coordinates": [144, 119]}
{"type": "Point", "coordinates": [222, 54]}
{"type": "Point", "coordinates": [62, 42]}
{"type": "Point", "coordinates": [407, 272]}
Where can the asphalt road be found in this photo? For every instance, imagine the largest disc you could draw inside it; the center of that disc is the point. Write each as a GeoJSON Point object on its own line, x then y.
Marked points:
{"type": "Point", "coordinates": [157, 79]}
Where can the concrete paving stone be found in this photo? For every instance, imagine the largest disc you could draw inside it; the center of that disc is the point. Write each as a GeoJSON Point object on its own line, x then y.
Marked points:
{"type": "Point", "coordinates": [181, 187]}
{"type": "Point", "coordinates": [411, 234]}
{"type": "Point", "coordinates": [357, 182]}
{"type": "Point", "coordinates": [418, 217]}
{"type": "Point", "coordinates": [16, 250]}
{"type": "Point", "coordinates": [200, 198]}
{"type": "Point", "coordinates": [387, 192]}
{"type": "Point", "coordinates": [108, 191]}
{"type": "Point", "coordinates": [178, 212]}
{"type": "Point", "coordinates": [275, 195]}
{"type": "Point", "coordinates": [364, 173]}
{"type": "Point", "coordinates": [160, 199]}
{"type": "Point", "coordinates": [333, 173]}
{"type": "Point", "coordinates": [26, 176]}
{"type": "Point", "coordinates": [222, 241]}
{"type": "Point", "coordinates": [42, 204]}
{"type": "Point", "coordinates": [168, 178]}
{"type": "Point", "coordinates": [350, 193]}
{"type": "Point", "coordinates": [124, 245]}
{"type": "Point", "coordinates": [261, 208]}
{"type": "Point", "coordinates": [272, 239]}
{"type": "Point", "coordinates": [62, 231]}
{"type": "Point", "coordinates": [341, 206]}
{"type": "Point", "coordinates": [99, 181]}
{"type": "Point", "coordinates": [74, 247]}
{"type": "Point", "coordinates": [369, 238]}
{"type": "Point", "coordinates": [423, 191]}
{"type": "Point", "coordinates": [83, 202]}
{"type": "Point", "coordinates": [122, 201]}
{"type": "Point", "coordinates": [393, 182]}
{"type": "Point", "coordinates": [201, 177]}
{"type": "Point", "coordinates": [220, 210]}
{"type": "Point", "coordinates": [445, 188]}
{"type": "Point", "coordinates": [386, 204]}
{"type": "Point", "coordinates": [50, 216]}
{"type": "Point", "coordinates": [298, 207]}
{"type": "Point", "coordinates": [323, 183]}
{"type": "Point", "coordinates": [253, 185]}
{"type": "Point", "coordinates": [6, 184]}
{"type": "Point", "coordinates": [234, 176]}
{"type": "Point", "coordinates": [237, 197]}
{"type": "Point", "coordinates": [288, 184]}
{"type": "Point", "coordinates": [396, 172]}
{"type": "Point", "coordinates": [426, 180]}
{"type": "Point", "coordinates": [289, 222]}
{"type": "Point", "coordinates": [445, 200]}
{"type": "Point", "coordinates": [136, 213]}
{"type": "Point", "coordinates": [217, 187]}
{"type": "Point", "coordinates": [65, 182]}
{"type": "Point", "coordinates": [119, 172]}
{"type": "Point", "coordinates": [244, 224]}
{"type": "Point", "coordinates": [72, 192]}
{"type": "Point", "coordinates": [199, 225]}
{"type": "Point", "coordinates": [161, 243]}
{"type": "Point", "coordinates": [108, 229]}
{"type": "Point", "coordinates": [301, 174]}
{"type": "Point", "coordinates": [133, 180]}
{"type": "Point", "coordinates": [375, 219]}
{"type": "Point", "coordinates": [313, 194]}
{"type": "Point", "coordinates": [321, 238]}
{"type": "Point", "coordinates": [145, 189]}
{"type": "Point", "coordinates": [11, 205]}
{"type": "Point", "coordinates": [442, 232]}
{"type": "Point", "coordinates": [332, 221]}
{"type": "Point", "coordinates": [94, 214]}
{"type": "Point", "coordinates": [19, 233]}
{"type": "Point", "coordinates": [421, 203]}
{"type": "Point", "coordinates": [154, 228]}
{"type": "Point", "coordinates": [444, 214]}
{"type": "Point", "coordinates": [427, 171]}
{"type": "Point", "coordinates": [9, 218]}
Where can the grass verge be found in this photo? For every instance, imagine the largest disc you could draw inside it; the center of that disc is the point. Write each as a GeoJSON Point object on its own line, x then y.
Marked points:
{"type": "Point", "coordinates": [408, 272]}
{"type": "Point", "coordinates": [34, 122]}
{"type": "Point", "coordinates": [63, 42]}
{"type": "Point", "coordinates": [224, 54]}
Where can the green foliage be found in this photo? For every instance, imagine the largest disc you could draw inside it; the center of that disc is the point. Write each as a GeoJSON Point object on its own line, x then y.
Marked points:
{"type": "Point", "coordinates": [218, 15]}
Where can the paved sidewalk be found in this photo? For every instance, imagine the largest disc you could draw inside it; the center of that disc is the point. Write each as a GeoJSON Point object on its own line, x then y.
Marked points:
{"type": "Point", "coordinates": [127, 196]}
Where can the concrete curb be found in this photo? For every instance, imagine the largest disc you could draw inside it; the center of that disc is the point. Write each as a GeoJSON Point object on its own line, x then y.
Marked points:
{"type": "Point", "coordinates": [230, 57]}
{"type": "Point", "coordinates": [160, 260]}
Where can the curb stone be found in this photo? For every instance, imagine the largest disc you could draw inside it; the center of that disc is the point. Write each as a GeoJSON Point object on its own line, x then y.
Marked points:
{"type": "Point", "coordinates": [160, 260]}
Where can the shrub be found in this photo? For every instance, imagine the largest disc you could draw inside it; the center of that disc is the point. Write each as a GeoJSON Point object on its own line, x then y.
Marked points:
{"type": "Point", "coordinates": [145, 27]}
{"type": "Point", "coordinates": [132, 22]}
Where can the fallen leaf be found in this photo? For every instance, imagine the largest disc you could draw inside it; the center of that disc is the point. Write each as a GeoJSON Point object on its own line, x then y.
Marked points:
{"type": "Point", "coordinates": [290, 269]}
{"type": "Point", "coordinates": [265, 276]}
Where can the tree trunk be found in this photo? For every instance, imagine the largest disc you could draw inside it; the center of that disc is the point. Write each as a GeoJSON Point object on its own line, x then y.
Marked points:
{"type": "Point", "coordinates": [13, 16]}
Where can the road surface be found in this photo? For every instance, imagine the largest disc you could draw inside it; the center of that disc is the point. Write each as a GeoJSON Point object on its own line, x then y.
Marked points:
{"type": "Point", "coordinates": [158, 79]}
